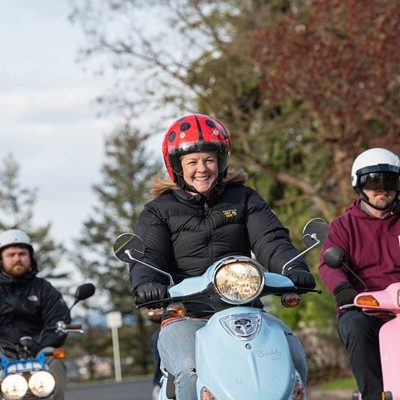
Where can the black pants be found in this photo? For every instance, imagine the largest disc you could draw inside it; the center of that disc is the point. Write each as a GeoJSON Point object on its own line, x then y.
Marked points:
{"type": "Point", "coordinates": [359, 333]}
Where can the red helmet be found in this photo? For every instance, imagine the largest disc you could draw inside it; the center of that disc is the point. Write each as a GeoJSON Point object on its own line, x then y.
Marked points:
{"type": "Point", "coordinates": [195, 133]}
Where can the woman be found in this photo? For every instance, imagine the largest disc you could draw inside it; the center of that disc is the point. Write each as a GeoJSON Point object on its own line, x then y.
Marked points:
{"type": "Point", "coordinates": [202, 215]}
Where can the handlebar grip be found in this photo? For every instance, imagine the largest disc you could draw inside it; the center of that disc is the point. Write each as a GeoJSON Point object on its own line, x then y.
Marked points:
{"type": "Point", "coordinates": [73, 326]}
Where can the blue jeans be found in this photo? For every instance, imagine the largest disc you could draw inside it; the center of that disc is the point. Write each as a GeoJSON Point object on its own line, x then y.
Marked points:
{"type": "Point", "coordinates": [360, 334]}
{"type": "Point", "coordinates": [156, 357]}
{"type": "Point", "coordinates": [176, 345]}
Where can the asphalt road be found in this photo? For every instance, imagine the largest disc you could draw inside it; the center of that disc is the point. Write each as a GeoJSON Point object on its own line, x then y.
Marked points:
{"type": "Point", "coordinates": [140, 389]}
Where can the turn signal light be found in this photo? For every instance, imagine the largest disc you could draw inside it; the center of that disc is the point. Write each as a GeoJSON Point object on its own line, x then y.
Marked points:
{"type": "Point", "coordinates": [59, 353]}
{"type": "Point", "coordinates": [176, 310]}
{"type": "Point", "coordinates": [367, 301]}
{"type": "Point", "coordinates": [205, 394]}
{"type": "Point", "coordinates": [290, 300]}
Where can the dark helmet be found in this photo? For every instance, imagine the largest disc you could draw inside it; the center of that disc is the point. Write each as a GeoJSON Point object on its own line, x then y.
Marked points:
{"type": "Point", "coordinates": [195, 133]}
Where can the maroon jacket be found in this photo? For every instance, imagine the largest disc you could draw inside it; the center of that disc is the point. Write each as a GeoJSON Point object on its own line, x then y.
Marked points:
{"type": "Point", "coordinates": [372, 246]}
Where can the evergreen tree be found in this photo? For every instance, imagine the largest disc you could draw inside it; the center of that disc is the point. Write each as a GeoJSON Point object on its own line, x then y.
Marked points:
{"type": "Point", "coordinates": [125, 187]}
{"type": "Point", "coordinates": [17, 211]}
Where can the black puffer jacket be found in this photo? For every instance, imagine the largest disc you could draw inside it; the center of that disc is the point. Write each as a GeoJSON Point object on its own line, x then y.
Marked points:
{"type": "Point", "coordinates": [185, 234]}
{"type": "Point", "coordinates": [29, 304]}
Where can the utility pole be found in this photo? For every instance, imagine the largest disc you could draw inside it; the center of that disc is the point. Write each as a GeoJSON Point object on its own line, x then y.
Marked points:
{"type": "Point", "coordinates": [114, 321]}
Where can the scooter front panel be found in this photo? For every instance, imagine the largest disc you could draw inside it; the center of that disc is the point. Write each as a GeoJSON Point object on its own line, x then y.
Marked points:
{"type": "Point", "coordinates": [236, 360]}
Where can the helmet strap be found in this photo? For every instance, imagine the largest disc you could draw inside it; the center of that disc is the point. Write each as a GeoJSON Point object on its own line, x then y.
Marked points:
{"type": "Point", "coordinates": [365, 198]}
{"type": "Point", "coordinates": [183, 185]}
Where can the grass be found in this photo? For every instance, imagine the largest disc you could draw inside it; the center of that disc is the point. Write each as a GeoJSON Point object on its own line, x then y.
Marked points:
{"type": "Point", "coordinates": [342, 383]}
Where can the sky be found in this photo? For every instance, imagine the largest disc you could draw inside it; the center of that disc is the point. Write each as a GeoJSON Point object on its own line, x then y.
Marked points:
{"type": "Point", "coordinates": [49, 121]}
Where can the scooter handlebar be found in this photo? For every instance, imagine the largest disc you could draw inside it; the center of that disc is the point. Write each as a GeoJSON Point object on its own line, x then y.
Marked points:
{"type": "Point", "coordinates": [347, 306]}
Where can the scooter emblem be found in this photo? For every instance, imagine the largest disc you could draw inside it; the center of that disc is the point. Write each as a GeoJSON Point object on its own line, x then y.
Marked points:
{"type": "Point", "coordinates": [242, 326]}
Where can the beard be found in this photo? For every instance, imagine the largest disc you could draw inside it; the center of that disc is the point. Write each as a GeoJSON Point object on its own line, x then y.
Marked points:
{"type": "Point", "coordinates": [382, 201]}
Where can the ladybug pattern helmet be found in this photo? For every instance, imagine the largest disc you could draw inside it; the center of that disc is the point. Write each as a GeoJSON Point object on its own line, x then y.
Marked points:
{"type": "Point", "coordinates": [195, 133]}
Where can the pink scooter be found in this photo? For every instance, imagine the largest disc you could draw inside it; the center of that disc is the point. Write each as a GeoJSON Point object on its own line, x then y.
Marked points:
{"type": "Point", "coordinates": [385, 304]}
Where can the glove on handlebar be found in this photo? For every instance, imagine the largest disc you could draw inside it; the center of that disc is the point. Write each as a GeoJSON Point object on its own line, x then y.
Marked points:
{"type": "Point", "coordinates": [34, 347]}
{"type": "Point", "coordinates": [344, 294]}
{"type": "Point", "coordinates": [150, 291]}
{"type": "Point", "coordinates": [301, 278]}
{"type": "Point", "coordinates": [30, 344]}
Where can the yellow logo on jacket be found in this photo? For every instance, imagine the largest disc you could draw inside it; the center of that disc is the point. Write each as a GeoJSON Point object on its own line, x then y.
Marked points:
{"type": "Point", "coordinates": [230, 213]}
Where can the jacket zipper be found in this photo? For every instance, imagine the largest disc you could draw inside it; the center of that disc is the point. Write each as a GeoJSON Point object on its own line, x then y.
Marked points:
{"type": "Point", "coordinates": [210, 247]}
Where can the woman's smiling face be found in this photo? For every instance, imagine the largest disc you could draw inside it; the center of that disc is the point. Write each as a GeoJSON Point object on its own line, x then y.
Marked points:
{"type": "Point", "coordinates": [200, 170]}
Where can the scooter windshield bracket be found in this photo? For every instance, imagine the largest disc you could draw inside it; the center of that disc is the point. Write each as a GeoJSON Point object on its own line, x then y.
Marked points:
{"type": "Point", "coordinates": [242, 326]}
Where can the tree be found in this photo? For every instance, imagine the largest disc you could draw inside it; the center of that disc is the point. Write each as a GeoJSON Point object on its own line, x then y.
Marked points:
{"type": "Point", "coordinates": [125, 187]}
{"type": "Point", "coordinates": [17, 211]}
{"type": "Point", "coordinates": [302, 87]}
{"type": "Point", "coordinates": [218, 76]}
{"type": "Point", "coordinates": [340, 61]}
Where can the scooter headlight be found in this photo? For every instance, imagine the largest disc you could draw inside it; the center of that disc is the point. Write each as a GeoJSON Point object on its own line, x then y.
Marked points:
{"type": "Point", "coordinates": [238, 280]}
{"type": "Point", "coordinates": [14, 386]}
{"type": "Point", "coordinates": [42, 384]}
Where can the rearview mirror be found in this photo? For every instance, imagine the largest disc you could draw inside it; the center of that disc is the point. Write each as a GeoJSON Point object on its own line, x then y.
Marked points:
{"type": "Point", "coordinates": [316, 230]}
{"type": "Point", "coordinates": [334, 256]}
{"type": "Point", "coordinates": [128, 247]}
{"type": "Point", "coordinates": [84, 291]}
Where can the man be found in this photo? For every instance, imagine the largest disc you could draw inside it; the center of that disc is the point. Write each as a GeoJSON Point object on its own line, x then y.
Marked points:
{"type": "Point", "coordinates": [28, 303]}
{"type": "Point", "coordinates": [369, 233]}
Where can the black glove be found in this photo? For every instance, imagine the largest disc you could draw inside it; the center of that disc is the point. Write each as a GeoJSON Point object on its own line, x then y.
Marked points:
{"type": "Point", "coordinates": [34, 347]}
{"type": "Point", "coordinates": [344, 294]}
{"type": "Point", "coordinates": [301, 278]}
{"type": "Point", "coordinates": [150, 291]}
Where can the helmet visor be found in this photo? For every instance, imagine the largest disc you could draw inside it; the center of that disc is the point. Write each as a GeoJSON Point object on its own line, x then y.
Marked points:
{"type": "Point", "coordinates": [380, 181]}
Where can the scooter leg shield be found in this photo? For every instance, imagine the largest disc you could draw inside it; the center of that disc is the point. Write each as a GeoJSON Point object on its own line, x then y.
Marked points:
{"type": "Point", "coordinates": [389, 337]}
{"type": "Point", "coordinates": [240, 354]}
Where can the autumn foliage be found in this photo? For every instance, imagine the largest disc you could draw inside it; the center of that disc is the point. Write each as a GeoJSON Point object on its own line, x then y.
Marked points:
{"type": "Point", "coordinates": [342, 60]}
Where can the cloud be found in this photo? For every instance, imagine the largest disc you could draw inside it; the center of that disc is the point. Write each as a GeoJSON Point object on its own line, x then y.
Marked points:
{"type": "Point", "coordinates": [48, 116]}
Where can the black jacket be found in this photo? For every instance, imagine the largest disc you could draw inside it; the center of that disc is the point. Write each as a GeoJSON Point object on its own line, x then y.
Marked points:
{"type": "Point", "coordinates": [185, 234]}
{"type": "Point", "coordinates": [29, 304]}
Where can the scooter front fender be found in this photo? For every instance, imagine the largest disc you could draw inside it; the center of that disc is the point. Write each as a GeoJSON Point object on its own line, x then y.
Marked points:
{"type": "Point", "coordinates": [240, 354]}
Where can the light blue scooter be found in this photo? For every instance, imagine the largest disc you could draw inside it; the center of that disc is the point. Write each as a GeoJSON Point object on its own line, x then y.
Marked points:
{"type": "Point", "coordinates": [240, 353]}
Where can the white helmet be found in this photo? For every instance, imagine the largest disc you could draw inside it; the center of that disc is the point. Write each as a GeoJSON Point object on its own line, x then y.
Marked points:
{"type": "Point", "coordinates": [376, 169]}
{"type": "Point", "coordinates": [15, 237]}
{"type": "Point", "coordinates": [373, 160]}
